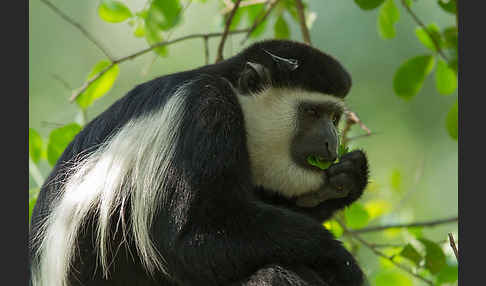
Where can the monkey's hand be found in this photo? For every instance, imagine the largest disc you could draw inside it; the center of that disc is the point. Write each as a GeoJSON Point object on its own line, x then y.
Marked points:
{"type": "Point", "coordinates": [344, 183]}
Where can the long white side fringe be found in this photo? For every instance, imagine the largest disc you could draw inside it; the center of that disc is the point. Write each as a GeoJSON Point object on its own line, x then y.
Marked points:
{"type": "Point", "coordinates": [133, 164]}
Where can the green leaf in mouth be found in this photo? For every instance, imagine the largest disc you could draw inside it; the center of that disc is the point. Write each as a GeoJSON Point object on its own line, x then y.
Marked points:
{"type": "Point", "coordinates": [321, 164]}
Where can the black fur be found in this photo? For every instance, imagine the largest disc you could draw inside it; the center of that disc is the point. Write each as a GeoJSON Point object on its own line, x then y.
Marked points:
{"type": "Point", "coordinates": [215, 226]}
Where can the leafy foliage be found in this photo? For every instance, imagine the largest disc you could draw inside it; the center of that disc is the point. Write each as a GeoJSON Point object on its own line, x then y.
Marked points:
{"type": "Point", "coordinates": [59, 139]}
{"type": "Point", "coordinates": [387, 18]}
{"type": "Point", "coordinates": [412, 254]}
{"type": "Point", "coordinates": [435, 258]}
{"type": "Point", "coordinates": [356, 216]}
{"type": "Point", "coordinates": [369, 4]}
{"type": "Point", "coordinates": [281, 28]}
{"type": "Point", "coordinates": [33, 194]}
{"type": "Point", "coordinates": [410, 76]}
{"type": "Point", "coordinates": [101, 85]}
{"type": "Point", "coordinates": [113, 11]}
{"type": "Point", "coordinates": [451, 121]}
{"type": "Point", "coordinates": [392, 277]}
{"type": "Point", "coordinates": [430, 36]}
{"type": "Point", "coordinates": [36, 145]}
{"type": "Point", "coordinates": [445, 78]}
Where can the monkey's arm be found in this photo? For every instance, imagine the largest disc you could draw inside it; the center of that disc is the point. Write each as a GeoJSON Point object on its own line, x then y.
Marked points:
{"type": "Point", "coordinates": [344, 183]}
{"type": "Point", "coordinates": [222, 233]}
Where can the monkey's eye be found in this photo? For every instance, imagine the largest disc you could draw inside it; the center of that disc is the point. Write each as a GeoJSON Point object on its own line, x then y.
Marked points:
{"type": "Point", "coordinates": [312, 112]}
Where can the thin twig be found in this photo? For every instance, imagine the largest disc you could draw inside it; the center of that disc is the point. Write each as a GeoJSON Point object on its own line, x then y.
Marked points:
{"type": "Point", "coordinates": [64, 83]}
{"type": "Point", "coordinates": [303, 26]}
{"type": "Point", "coordinates": [414, 224]}
{"type": "Point", "coordinates": [264, 14]}
{"type": "Point", "coordinates": [362, 136]}
{"type": "Point", "coordinates": [80, 90]}
{"type": "Point", "coordinates": [381, 254]}
{"type": "Point", "coordinates": [388, 245]}
{"type": "Point", "coordinates": [421, 24]}
{"type": "Point", "coordinates": [206, 50]}
{"type": "Point", "coordinates": [351, 119]}
{"type": "Point", "coordinates": [79, 27]}
{"type": "Point", "coordinates": [219, 55]}
{"type": "Point", "coordinates": [453, 245]}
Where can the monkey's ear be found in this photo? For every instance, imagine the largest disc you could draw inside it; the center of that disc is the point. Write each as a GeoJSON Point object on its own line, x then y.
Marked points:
{"type": "Point", "coordinates": [253, 78]}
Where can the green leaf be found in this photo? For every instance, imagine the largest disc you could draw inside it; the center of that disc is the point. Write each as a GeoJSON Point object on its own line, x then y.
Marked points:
{"type": "Point", "coordinates": [368, 4]}
{"type": "Point", "coordinates": [451, 121]}
{"type": "Point", "coordinates": [100, 86]}
{"type": "Point", "coordinates": [33, 194]}
{"type": "Point", "coordinates": [435, 259]}
{"type": "Point", "coordinates": [426, 40]}
{"type": "Point", "coordinates": [451, 37]}
{"type": "Point", "coordinates": [113, 11]}
{"type": "Point", "coordinates": [448, 274]}
{"type": "Point", "coordinates": [416, 231]}
{"type": "Point", "coordinates": [334, 227]}
{"type": "Point", "coordinates": [445, 78]}
{"type": "Point", "coordinates": [154, 36]}
{"type": "Point", "coordinates": [164, 14]}
{"type": "Point", "coordinates": [342, 149]}
{"type": "Point", "coordinates": [396, 180]}
{"type": "Point", "coordinates": [254, 11]}
{"type": "Point", "coordinates": [448, 6]}
{"type": "Point", "coordinates": [235, 22]}
{"type": "Point", "coordinates": [281, 29]}
{"type": "Point", "coordinates": [453, 64]}
{"type": "Point", "coordinates": [377, 207]}
{"type": "Point", "coordinates": [59, 139]}
{"type": "Point", "coordinates": [411, 254]}
{"type": "Point", "coordinates": [289, 6]}
{"type": "Point", "coordinates": [139, 31]}
{"type": "Point", "coordinates": [387, 18]}
{"type": "Point", "coordinates": [35, 145]}
{"type": "Point", "coordinates": [393, 277]}
{"type": "Point", "coordinates": [314, 161]}
{"type": "Point", "coordinates": [356, 216]}
{"type": "Point", "coordinates": [410, 76]}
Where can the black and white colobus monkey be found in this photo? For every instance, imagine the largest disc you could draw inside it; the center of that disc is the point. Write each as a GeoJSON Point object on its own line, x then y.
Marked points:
{"type": "Point", "coordinates": [192, 178]}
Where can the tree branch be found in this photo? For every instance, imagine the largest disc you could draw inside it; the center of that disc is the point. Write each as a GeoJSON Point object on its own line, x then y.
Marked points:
{"type": "Point", "coordinates": [219, 55]}
{"type": "Point", "coordinates": [453, 245]}
{"type": "Point", "coordinates": [80, 90]}
{"type": "Point", "coordinates": [421, 24]}
{"type": "Point", "coordinates": [79, 27]}
{"type": "Point", "coordinates": [303, 26]}
{"type": "Point", "coordinates": [414, 224]}
{"type": "Point", "coordinates": [351, 119]}
{"type": "Point", "coordinates": [381, 254]}
{"type": "Point", "coordinates": [265, 13]}
{"type": "Point", "coordinates": [206, 50]}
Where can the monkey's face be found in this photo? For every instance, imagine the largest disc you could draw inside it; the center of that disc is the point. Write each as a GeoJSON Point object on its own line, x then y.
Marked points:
{"type": "Point", "coordinates": [284, 126]}
{"type": "Point", "coordinates": [316, 132]}
{"type": "Point", "coordinates": [290, 115]}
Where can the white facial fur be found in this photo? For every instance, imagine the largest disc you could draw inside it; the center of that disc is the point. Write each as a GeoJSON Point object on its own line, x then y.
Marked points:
{"type": "Point", "coordinates": [271, 122]}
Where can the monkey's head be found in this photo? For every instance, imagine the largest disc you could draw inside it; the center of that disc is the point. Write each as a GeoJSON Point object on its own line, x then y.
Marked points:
{"type": "Point", "coordinates": [292, 100]}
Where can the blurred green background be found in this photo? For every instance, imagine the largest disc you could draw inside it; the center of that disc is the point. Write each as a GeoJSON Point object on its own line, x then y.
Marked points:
{"type": "Point", "coordinates": [414, 162]}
